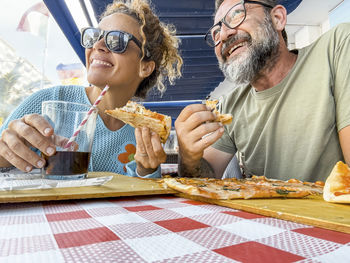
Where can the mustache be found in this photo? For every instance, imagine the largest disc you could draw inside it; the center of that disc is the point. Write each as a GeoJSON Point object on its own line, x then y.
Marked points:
{"type": "Point", "coordinates": [238, 37]}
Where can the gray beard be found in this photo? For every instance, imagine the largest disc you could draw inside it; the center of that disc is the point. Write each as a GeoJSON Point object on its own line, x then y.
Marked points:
{"type": "Point", "coordinates": [261, 54]}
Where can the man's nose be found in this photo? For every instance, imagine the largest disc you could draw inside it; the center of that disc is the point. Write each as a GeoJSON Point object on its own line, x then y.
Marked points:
{"type": "Point", "coordinates": [226, 32]}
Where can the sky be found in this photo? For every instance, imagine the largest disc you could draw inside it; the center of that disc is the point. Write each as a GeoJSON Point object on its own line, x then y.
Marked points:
{"type": "Point", "coordinates": [32, 47]}
{"type": "Point", "coordinates": [340, 14]}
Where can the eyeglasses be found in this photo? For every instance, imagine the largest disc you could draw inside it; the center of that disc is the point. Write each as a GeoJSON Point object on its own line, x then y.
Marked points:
{"type": "Point", "coordinates": [116, 41]}
{"type": "Point", "coordinates": [234, 17]}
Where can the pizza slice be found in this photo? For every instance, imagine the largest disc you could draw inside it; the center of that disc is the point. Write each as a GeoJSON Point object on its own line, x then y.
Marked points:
{"type": "Point", "coordinates": [256, 187]}
{"type": "Point", "coordinates": [138, 116]}
{"type": "Point", "coordinates": [223, 118]}
{"type": "Point", "coordinates": [337, 186]}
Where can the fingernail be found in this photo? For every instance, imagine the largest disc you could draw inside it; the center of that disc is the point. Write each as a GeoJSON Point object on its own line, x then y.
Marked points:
{"type": "Point", "coordinates": [40, 164]}
{"type": "Point", "coordinates": [47, 130]}
{"type": "Point", "coordinates": [220, 124]}
{"type": "Point", "coordinates": [154, 134]}
{"type": "Point", "coordinates": [221, 129]}
{"type": "Point", "coordinates": [28, 168]}
{"type": "Point", "coordinates": [50, 150]}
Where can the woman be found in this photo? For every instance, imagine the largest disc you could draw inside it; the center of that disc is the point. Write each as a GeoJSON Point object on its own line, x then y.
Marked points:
{"type": "Point", "coordinates": [131, 51]}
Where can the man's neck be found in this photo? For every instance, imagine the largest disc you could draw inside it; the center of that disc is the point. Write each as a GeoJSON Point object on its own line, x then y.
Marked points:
{"type": "Point", "coordinates": [273, 75]}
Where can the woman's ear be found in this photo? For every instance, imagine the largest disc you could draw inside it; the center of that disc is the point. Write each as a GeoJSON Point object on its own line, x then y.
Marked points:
{"type": "Point", "coordinates": [279, 17]}
{"type": "Point", "coordinates": [146, 68]}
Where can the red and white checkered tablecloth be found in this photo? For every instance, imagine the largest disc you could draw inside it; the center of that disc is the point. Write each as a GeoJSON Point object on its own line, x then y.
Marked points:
{"type": "Point", "coordinates": [158, 229]}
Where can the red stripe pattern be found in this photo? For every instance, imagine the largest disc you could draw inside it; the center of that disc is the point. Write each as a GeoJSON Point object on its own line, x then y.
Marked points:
{"type": "Point", "coordinates": [81, 125]}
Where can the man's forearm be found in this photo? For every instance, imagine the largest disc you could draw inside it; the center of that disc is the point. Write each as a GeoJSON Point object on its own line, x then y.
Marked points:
{"type": "Point", "coordinates": [201, 169]}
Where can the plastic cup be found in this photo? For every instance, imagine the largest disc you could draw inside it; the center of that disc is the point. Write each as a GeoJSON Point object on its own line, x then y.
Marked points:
{"type": "Point", "coordinates": [66, 117]}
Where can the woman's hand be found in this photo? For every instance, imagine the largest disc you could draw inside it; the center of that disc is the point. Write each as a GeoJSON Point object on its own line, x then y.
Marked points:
{"type": "Point", "coordinates": [149, 151]}
{"type": "Point", "coordinates": [15, 142]}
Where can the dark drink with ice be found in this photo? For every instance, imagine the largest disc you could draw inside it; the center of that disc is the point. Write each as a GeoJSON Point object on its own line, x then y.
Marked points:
{"type": "Point", "coordinates": [66, 118]}
{"type": "Point", "coordinates": [67, 163]}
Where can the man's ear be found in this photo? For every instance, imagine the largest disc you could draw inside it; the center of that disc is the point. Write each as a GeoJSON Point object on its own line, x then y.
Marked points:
{"type": "Point", "coordinates": [146, 68]}
{"type": "Point", "coordinates": [279, 17]}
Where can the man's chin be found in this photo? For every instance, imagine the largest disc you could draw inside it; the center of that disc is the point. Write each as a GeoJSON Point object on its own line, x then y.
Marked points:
{"type": "Point", "coordinates": [238, 58]}
{"type": "Point", "coordinates": [235, 72]}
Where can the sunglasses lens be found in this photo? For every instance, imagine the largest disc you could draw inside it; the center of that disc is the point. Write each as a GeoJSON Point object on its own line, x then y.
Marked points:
{"type": "Point", "coordinates": [116, 41]}
{"type": "Point", "coordinates": [90, 36]}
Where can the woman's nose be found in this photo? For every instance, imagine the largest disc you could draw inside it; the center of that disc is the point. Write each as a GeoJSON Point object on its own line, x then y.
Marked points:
{"type": "Point", "coordinates": [100, 44]}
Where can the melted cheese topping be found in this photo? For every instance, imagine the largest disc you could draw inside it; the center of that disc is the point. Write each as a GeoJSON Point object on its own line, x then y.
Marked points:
{"type": "Point", "coordinates": [255, 187]}
{"type": "Point", "coordinates": [133, 107]}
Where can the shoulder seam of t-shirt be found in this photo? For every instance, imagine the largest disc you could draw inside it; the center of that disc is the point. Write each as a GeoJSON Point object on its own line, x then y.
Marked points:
{"type": "Point", "coordinates": [342, 43]}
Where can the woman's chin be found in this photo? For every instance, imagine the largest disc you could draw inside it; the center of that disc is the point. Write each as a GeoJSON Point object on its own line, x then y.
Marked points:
{"type": "Point", "coordinates": [93, 80]}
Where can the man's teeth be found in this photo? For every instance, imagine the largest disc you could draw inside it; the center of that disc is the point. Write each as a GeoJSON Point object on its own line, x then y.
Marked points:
{"type": "Point", "coordinates": [235, 47]}
{"type": "Point", "coordinates": [95, 61]}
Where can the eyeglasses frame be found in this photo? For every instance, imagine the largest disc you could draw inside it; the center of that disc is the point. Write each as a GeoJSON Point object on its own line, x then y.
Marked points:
{"type": "Point", "coordinates": [104, 33]}
{"type": "Point", "coordinates": [222, 21]}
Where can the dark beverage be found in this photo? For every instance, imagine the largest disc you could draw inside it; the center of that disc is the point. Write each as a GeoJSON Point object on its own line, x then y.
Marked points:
{"type": "Point", "coordinates": [67, 163]}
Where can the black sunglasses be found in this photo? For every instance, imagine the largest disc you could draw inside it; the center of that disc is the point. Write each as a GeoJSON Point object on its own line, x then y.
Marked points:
{"type": "Point", "coordinates": [116, 41]}
{"type": "Point", "coordinates": [234, 17]}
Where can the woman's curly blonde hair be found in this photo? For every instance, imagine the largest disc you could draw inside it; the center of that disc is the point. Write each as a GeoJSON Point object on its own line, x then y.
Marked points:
{"type": "Point", "coordinates": [159, 43]}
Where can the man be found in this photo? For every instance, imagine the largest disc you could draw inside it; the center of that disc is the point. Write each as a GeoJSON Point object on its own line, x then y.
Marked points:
{"type": "Point", "coordinates": [290, 108]}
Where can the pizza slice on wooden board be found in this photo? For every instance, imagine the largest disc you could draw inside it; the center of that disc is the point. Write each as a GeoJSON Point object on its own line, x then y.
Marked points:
{"type": "Point", "coordinates": [138, 116]}
{"type": "Point", "coordinates": [255, 187]}
{"type": "Point", "coordinates": [337, 186]}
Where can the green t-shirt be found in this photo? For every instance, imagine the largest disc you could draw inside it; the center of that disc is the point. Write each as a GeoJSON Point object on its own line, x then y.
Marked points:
{"type": "Point", "coordinates": [291, 130]}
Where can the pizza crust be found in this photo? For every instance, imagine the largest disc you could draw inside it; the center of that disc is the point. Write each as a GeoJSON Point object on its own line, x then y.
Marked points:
{"type": "Point", "coordinates": [337, 186]}
{"type": "Point", "coordinates": [138, 116]}
{"type": "Point", "coordinates": [174, 184]}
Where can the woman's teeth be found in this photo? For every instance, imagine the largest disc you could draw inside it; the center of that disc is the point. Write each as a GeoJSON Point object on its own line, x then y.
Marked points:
{"type": "Point", "coordinates": [100, 62]}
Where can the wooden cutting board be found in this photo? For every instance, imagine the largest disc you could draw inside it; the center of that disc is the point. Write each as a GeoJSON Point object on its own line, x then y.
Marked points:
{"type": "Point", "coordinates": [311, 210]}
{"type": "Point", "coordinates": [120, 185]}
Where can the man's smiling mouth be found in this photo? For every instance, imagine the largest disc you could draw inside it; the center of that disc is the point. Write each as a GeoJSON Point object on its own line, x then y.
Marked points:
{"type": "Point", "coordinates": [235, 47]}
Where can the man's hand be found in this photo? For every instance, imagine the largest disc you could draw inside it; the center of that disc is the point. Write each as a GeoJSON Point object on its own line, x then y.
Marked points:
{"type": "Point", "coordinates": [196, 131]}
{"type": "Point", "coordinates": [31, 130]}
{"type": "Point", "coordinates": [149, 151]}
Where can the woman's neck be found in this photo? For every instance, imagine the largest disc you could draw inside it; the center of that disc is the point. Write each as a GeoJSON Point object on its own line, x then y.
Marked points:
{"type": "Point", "coordinates": [111, 100]}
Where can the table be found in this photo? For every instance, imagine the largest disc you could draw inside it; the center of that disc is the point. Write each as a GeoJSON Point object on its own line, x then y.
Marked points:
{"type": "Point", "coordinates": [160, 228]}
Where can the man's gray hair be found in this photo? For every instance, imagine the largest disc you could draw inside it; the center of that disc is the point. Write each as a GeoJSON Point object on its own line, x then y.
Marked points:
{"type": "Point", "coordinates": [269, 2]}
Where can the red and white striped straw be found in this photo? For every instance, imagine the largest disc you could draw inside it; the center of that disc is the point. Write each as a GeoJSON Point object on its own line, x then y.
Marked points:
{"type": "Point", "coordinates": [81, 125]}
